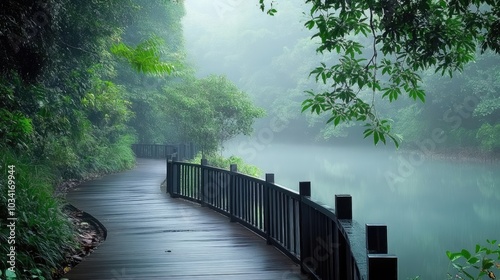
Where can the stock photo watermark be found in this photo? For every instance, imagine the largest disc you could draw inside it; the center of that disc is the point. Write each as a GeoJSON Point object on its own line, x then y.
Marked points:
{"type": "Point", "coordinates": [222, 8]}
{"type": "Point", "coordinates": [408, 163]}
{"type": "Point", "coordinates": [264, 137]}
{"type": "Point", "coordinates": [321, 253]}
{"type": "Point", "coordinates": [11, 217]}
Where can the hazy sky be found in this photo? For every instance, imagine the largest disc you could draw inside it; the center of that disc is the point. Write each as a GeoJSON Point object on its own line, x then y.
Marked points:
{"type": "Point", "coordinates": [222, 36]}
{"type": "Point", "coordinates": [268, 57]}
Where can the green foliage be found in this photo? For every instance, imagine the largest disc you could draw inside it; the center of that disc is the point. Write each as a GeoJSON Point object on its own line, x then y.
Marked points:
{"type": "Point", "coordinates": [488, 137]}
{"type": "Point", "coordinates": [233, 111]}
{"type": "Point", "coordinates": [9, 275]}
{"type": "Point", "coordinates": [487, 107]}
{"type": "Point", "coordinates": [409, 123]}
{"type": "Point", "coordinates": [63, 112]}
{"type": "Point", "coordinates": [209, 111]}
{"type": "Point", "coordinates": [457, 108]}
{"type": "Point", "coordinates": [160, 21]}
{"type": "Point", "coordinates": [15, 128]}
{"type": "Point", "coordinates": [145, 57]}
{"type": "Point", "coordinates": [106, 107]}
{"type": "Point", "coordinates": [222, 162]}
{"type": "Point", "coordinates": [483, 262]}
{"type": "Point", "coordinates": [403, 39]}
{"type": "Point", "coordinates": [43, 232]}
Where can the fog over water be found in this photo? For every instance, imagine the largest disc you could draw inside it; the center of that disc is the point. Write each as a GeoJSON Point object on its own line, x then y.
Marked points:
{"type": "Point", "coordinates": [430, 206]}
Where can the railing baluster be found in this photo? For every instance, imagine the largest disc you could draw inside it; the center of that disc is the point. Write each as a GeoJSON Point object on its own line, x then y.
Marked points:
{"type": "Point", "coordinates": [204, 182]}
{"type": "Point", "coordinates": [233, 168]}
{"type": "Point", "coordinates": [310, 234]}
{"type": "Point", "coordinates": [267, 207]}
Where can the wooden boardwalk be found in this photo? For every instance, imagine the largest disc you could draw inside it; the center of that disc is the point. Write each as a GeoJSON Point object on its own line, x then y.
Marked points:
{"type": "Point", "coordinates": [152, 236]}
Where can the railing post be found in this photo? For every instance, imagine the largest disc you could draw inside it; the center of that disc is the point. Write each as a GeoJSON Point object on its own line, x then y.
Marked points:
{"type": "Point", "coordinates": [342, 254]}
{"type": "Point", "coordinates": [376, 239]}
{"type": "Point", "coordinates": [168, 175]}
{"type": "Point", "coordinates": [204, 181]}
{"type": "Point", "coordinates": [232, 203]}
{"type": "Point", "coordinates": [343, 206]}
{"type": "Point", "coordinates": [305, 193]}
{"type": "Point", "coordinates": [267, 207]}
{"type": "Point", "coordinates": [175, 178]}
{"type": "Point", "coordinates": [380, 265]}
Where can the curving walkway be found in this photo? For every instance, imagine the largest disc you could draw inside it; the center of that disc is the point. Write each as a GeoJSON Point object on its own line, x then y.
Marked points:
{"type": "Point", "coordinates": [152, 236]}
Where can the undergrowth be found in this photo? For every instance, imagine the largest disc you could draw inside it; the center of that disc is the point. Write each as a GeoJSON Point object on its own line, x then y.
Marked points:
{"type": "Point", "coordinates": [222, 162]}
{"type": "Point", "coordinates": [43, 233]}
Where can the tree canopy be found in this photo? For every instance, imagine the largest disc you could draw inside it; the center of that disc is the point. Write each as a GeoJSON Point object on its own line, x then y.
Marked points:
{"type": "Point", "coordinates": [400, 39]}
{"type": "Point", "coordinates": [209, 111]}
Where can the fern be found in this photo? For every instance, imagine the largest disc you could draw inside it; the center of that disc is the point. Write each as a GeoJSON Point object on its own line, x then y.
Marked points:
{"type": "Point", "coordinates": [145, 57]}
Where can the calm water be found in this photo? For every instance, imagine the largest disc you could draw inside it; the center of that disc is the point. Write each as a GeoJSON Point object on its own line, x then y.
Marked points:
{"type": "Point", "coordinates": [429, 206]}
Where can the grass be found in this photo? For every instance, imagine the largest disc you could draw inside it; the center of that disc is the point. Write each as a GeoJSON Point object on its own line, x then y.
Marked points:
{"type": "Point", "coordinates": [42, 232]}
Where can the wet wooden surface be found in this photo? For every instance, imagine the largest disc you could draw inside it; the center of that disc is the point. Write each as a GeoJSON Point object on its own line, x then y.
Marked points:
{"type": "Point", "coordinates": [152, 236]}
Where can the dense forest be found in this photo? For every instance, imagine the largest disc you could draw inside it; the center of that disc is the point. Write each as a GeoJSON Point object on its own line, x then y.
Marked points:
{"type": "Point", "coordinates": [79, 83]}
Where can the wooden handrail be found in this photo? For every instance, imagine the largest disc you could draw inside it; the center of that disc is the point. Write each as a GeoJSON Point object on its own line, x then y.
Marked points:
{"type": "Point", "coordinates": [326, 243]}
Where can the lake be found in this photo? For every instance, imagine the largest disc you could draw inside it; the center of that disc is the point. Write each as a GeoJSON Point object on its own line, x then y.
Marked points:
{"type": "Point", "coordinates": [429, 206]}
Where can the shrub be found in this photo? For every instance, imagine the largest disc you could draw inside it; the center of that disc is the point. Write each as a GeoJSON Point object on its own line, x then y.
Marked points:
{"type": "Point", "coordinates": [488, 137]}
{"type": "Point", "coordinates": [222, 162]}
{"type": "Point", "coordinates": [43, 232]}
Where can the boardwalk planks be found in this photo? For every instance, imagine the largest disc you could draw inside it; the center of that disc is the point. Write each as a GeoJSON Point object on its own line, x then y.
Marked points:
{"type": "Point", "coordinates": [152, 236]}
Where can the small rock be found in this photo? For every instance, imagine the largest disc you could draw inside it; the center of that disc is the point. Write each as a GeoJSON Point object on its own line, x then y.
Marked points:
{"type": "Point", "coordinates": [84, 224]}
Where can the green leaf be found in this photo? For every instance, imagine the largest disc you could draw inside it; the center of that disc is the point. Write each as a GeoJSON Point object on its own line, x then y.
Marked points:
{"type": "Point", "coordinates": [376, 137]}
{"type": "Point", "coordinates": [368, 132]}
{"type": "Point", "coordinates": [473, 260]}
{"type": "Point", "coordinates": [337, 120]}
{"type": "Point", "coordinates": [11, 275]}
{"type": "Point", "coordinates": [453, 256]}
{"type": "Point", "coordinates": [307, 106]}
{"type": "Point", "coordinates": [382, 138]}
{"type": "Point", "coordinates": [395, 140]}
{"type": "Point", "coordinates": [466, 254]}
{"type": "Point", "coordinates": [421, 96]}
{"type": "Point", "coordinates": [272, 11]}
{"type": "Point", "coordinates": [309, 24]}
{"type": "Point", "coordinates": [487, 263]}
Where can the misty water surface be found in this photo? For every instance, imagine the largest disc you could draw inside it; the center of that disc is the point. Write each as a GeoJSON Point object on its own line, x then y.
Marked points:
{"type": "Point", "coordinates": [433, 205]}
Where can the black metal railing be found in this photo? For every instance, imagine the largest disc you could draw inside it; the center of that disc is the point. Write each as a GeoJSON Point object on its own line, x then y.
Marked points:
{"type": "Point", "coordinates": [326, 243]}
{"type": "Point", "coordinates": [159, 151]}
